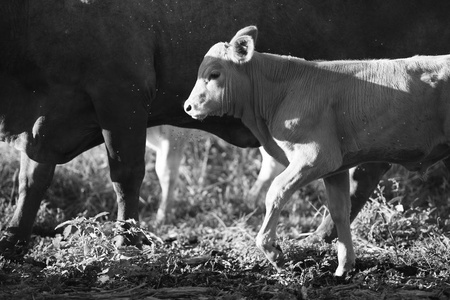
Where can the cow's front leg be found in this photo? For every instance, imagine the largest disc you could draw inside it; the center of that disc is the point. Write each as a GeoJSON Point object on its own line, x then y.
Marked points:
{"type": "Point", "coordinates": [338, 192]}
{"type": "Point", "coordinates": [297, 174]}
{"type": "Point", "coordinates": [34, 180]}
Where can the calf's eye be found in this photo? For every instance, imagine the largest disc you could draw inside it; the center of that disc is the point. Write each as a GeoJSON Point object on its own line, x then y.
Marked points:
{"type": "Point", "coordinates": [214, 75]}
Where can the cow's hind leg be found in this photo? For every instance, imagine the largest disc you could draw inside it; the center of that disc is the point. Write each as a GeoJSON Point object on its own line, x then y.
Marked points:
{"type": "Point", "coordinates": [123, 120]}
{"type": "Point", "coordinates": [338, 191]}
{"type": "Point", "coordinates": [127, 170]}
{"type": "Point", "coordinates": [34, 180]}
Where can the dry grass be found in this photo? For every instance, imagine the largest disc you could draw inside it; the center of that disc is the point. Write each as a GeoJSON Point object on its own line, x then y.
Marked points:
{"type": "Point", "coordinates": [401, 237]}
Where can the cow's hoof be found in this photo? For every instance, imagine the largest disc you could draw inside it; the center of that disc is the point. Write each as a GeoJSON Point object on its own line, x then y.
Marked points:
{"type": "Point", "coordinates": [128, 240]}
{"type": "Point", "coordinates": [12, 248]}
{"type": "Point", "coordinates": [136, 239]}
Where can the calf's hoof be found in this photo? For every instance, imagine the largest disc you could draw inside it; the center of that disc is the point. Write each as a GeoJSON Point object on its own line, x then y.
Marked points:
{"type": "Point", "coordinates": [312, 239]}
{"type": "Point", "coordinates": [160, 217]}
{"type": "Point", "coordinates": [164, 218]}
{"type": "Point", "coordinates": [274, 254]}
{"type": "Point", "coordinates": [342, 269]}
{"type": "Point", "coordinates": [326, 232]}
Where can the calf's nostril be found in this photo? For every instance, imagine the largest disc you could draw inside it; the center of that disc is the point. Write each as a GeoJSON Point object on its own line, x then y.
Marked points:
{"type": "Point", "coordinates": [188, 107]}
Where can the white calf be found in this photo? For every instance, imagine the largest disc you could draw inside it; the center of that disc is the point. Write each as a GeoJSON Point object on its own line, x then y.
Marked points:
{"type": "Point", "coordinates": [321, 118]}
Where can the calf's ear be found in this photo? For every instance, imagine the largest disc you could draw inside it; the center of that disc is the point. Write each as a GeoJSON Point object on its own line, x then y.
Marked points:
{"type": "Point", "coordinates": [249, 30]}
{"type": "Point", "coordinates": [243, 44]}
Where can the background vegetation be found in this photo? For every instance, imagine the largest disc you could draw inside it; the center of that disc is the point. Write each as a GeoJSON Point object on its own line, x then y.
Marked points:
{"type": "Point", "coordinates": [208, 252]}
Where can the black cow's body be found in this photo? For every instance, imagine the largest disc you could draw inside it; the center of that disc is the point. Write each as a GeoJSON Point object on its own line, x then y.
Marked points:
{"type": "Point", "coordinates": [74, 74]}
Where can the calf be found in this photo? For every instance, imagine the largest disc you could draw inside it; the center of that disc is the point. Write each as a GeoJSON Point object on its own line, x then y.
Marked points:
{"type": "Point", "coordinates": [321, 118]}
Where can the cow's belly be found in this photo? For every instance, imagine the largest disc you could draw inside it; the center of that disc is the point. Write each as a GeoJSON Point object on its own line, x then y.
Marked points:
{"type": "Point", "coordinates": [56, 149]}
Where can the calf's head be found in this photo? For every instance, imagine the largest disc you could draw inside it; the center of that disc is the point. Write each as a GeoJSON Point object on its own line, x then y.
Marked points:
{"type": "Point", "coordinates": [221, 79]}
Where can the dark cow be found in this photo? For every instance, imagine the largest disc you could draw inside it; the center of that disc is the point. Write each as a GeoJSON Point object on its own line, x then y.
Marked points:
{"type": "Point", "coordinates": [321, 118]}
{"type": "Point", "coordinates": [77, 73]}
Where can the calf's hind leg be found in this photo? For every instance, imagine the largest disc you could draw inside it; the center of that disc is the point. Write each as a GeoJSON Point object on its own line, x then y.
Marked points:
{"type": "Point", "coordinates": [366, 177]}
{"type": "Point", "coordinates": [338, 192]}
{"type": "Point", "coordinates": [168, 160]}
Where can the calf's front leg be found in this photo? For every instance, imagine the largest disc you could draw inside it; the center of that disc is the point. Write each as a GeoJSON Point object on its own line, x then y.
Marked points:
{"type": "Point", "coordinates": [298, 173]}
{"type": "Point", "coordinates": [270, 168]}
